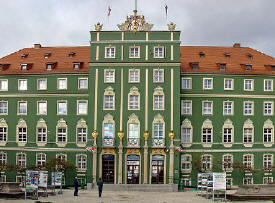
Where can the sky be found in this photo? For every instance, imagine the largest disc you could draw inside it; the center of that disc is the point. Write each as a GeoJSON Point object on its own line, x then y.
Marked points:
{"type": "Point", "coordinates": [201, 22]}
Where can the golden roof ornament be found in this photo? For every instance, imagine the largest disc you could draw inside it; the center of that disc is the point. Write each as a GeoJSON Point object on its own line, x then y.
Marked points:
{"type": "Point", "coordinates": [98, 26]}
{"type": "Point", "coordinates": [171, 26]}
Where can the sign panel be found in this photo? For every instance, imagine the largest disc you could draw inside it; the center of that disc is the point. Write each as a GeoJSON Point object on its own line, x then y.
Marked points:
{"type": "Point", "coordinates": [43, 179]}
{"type": "Point", "coordinates": [199, 180]}
{"type": "Point", "coordinates": [57, 178]}
{"type": "Point", "coordinates": [32, 179]}
{"type": "Point", "coordinates": [219, 181]}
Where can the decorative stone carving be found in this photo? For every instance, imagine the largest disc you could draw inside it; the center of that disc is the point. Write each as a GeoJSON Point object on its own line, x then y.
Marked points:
{"type": "Point", "coordinates": [98, 26]}
{"type": "Point", "coordinates": [171, 26]}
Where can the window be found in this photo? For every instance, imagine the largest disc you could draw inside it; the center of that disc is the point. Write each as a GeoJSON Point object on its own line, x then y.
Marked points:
{"type": "Point", "coordinates": [82, 107]}
{"type": "Point", "coordinates": [248, 85]}
{"type": "Point", "coordinates": [62, 107]}
{"type": "Point", "coordinates": [109, 52]}
{"type": "Point", "coordinates": [61, 157]}
{"type": "Point", "coordinates": [42, 108]}
{"type": "Point", "coordinates": [158, 75]}
{"type": "Point", "coordinates": [81, 134]}
{"type": "Point", "coordinates": [158, 102]}
{"type": "Point", "coordinates": [22, 108]}
{"type": "Point", "coordinates": [207, 108]}
{"type": "Point", "coordinates": [248, 181]}
{"type": "Point", "coordinates": [194, 65]}
{"type": "Point", "coordinates": [158, 133]}
{"type": "Point", "coordinates": [186, 83]}
{"type": "Point", "coordinates": [62, 134]}
{"type": "Point", "coordinates": [248, 135]}
{"type": "Point", "coordinates": [227, 135]}
{"type": "Point", "coordinates": [77, 65]}
{"type": "Point", "coordinates": [3, 158]}
{"type": "Point", "coordinates": [24, 66]}
{"type": "Point", "coordinates": [228, 84]}
{"type": "Point", "coordinates": [207, 83]}
{"type": "Point", "coordinates": [108, 102]}
{"type": "Point", "coordinates": [82, 83]}
{"type": "Point", "coordinates": [227, 108]}
{"type": "Point", "coordinates": [3, 85]}
{"type": "Point", "coordinates": [133, 130]}
{"type": "Point", "coordinates": [248, 67]}
{"type": "Point", "coordinates": [41, 134]}
{"type": "Point", "coordinates": [222, 66]}
{"type": "Point", "coordinates": [41, 159]}
{"type": "Point", "coordinates": [159, 52]}
{"type": "Point", "coordinates": [267, 180]}
{"type": "Point", "coordinates": [268, 108]}
{"type": "Point", "coordinates": [42, 84]}
{"type": "Point", "coordinates": [108, 130]}
{"type": "Point", "coordinates": [268, 161]}
{"type": "Point", "coordinates": [3, 107]}
{"type": "Point", "coordinates": [133, 102]}
{"type": "Point", "coordinates": [206, 135]}
{"type": "Point", "coordinates": [268, 135]}
{"type": "Point", "coordinates": [22, 85]}
{"type": "Point", "coordinates": [134, 52]}
{"type": "Point", "coordinates": [186, 107]}
{"type": "Point", "coordinates": [3, 134]}
{"type": "Point", "coordinates": [109, 76]}
{"type": "Point", "coordinates": [22, 134]}
{"type": "Point", "coordinates": [185, 135]}
{"type": "Point", "coordinates": [81, 162]}
{"type": "Point", "coordinates": [206, 162]}
{"type": "Point", "coordinates": [248, 108]}
{"type": "Point", "coordinates": [248, 161]}
{"type": "Point", "coordinates": [62, 83]}
{"type": "Point", "coordinates": [268, 85]}
{"type": "Point", "coordinates": [186, 162]}
{"type": "Point", "coordinates": [21, 160]}
{"type": "Point", "coordinates": [227, 162]}
{"type": "Point", "coordinates": [134, 75]}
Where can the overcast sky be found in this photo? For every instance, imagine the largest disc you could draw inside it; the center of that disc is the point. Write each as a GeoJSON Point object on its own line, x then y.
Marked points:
{"type": "Point", "coordinates": [202, 22]}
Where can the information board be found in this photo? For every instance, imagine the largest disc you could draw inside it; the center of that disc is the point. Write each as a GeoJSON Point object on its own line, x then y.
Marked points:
{"type": "Point", "coordinates": [32, 179]}
{"type": "Point", "coordinates": [43, 179]}
{"type": "Point", "coordinates": [219, 181]}
{"type": "Point", "coordinates": [57, 178]}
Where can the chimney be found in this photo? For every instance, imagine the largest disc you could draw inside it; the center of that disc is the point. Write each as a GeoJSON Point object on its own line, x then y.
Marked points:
{"type": "Point", "coordinates": [37, 46]}
{"type": "Point", "coordinates": [237, 45]}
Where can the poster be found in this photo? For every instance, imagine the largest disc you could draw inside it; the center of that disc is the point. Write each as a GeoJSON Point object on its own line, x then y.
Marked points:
{"type": "Point", "coordinates": [209, 180]}
{"type": "Point", "coordinates": [204, 180]}
{"type": "Point", "coordinates": [219, 181]}
{"type": "Point", "coordinates": [57, 178]}
{"type": "Point", "coordinates": [32, 179]}
{"type": "Point", "coordinates": [199, 179]}
{"type": "Point", "coordinates": [43, 179]}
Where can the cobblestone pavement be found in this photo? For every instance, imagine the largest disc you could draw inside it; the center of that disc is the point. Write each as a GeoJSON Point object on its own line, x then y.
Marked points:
{"type": "Point", "coordinates": [123, 197]}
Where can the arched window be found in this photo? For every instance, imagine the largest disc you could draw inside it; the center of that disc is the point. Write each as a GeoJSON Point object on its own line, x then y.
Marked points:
{"type": "Point", "coordinates": [133, 99]}
{"type": "Point", "coordinates": [3, 131]}
{"type": "Point", "coordinates": [21, 132]}
{"type": "Point", "coordinates": [158, 129]}
{"type": "Point", "coordinates": [248, 133]}
{"type": "Point", "coordinates": [186, 133]}
{"type": "Point", "coordinates": [133, 126]}
{"type": "Point", "coordinates": [41, 132]}
{"type": "Point", "coordinates": [81, 162]}
{"type": "Point", "coordinates": [158, 99]}
{"type": "Point", "coordinates": [108, 130]}
{"type": "Point", "coordinates": [81, 132]}
{"type": "Point", "coordinates": [109, 99]}
{"type": "Point", "coordinates": [61, 133]}
{"type": "Point", "coordinates": [41, 159]}
{"type": "Point", "coordinates": [228, 133]}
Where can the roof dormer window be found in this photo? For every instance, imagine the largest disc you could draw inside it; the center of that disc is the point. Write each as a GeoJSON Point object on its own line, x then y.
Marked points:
{"type": "Point", "coordinates": [202, 54]}
{"type": "Point", "coordinates": [50, 66]}
{"type": "Point", "coordinates": [222, 66]}
{"type": "Point", "coordinates": [77, 65]}
{"type": "Point", "coordinates": [4, 67]}
{"type": "Point", "coordinates": [47, 55]}
{"type": "Point", "coordinates": [71, 54]}
{"type": "Point", "coordinates": [227, 55]}
{"type": "Point", "coordinates": [194, 65]}
{"type": "Point", "coordinates": [249, 55]}
{"type": "Point", "coordinates": [24, 56]}
{"type": "Point", "coordinates": [248, 67]}
{"type": "Point", "coordinates": [24, 66]}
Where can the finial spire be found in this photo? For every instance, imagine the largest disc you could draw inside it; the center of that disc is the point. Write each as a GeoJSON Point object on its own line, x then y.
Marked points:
{"type": "Point", "coordinates": [135, 5]}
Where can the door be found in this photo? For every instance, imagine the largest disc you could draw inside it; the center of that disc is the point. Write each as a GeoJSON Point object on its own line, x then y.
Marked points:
{"type": "Point", "coordinates": [157, 169]}
{"type": "Point", "coordinates": [108, 168]}
{"type": "Point", "coordinates": [133, 169]}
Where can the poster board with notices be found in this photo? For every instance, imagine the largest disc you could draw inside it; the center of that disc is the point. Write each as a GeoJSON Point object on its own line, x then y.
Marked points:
{"type": "Point", "coordinates": [219, 181]}
{"type": "Point", "coordinates": [32, 179]}
{"type": "Point", "coordinates": [199, 181]}
{"type": "Point", "coordinates": [57, 178]}
{"type": "Point", "coordinates": [43, 179]}
{"type": "Point", "coordinates": [204, 181]}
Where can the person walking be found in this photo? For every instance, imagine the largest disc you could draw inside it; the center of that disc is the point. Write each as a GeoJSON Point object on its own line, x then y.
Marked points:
{"type": "Point", "coordinates": [75, 186]}
{"type": "Point", "coordinates": [100, 186]}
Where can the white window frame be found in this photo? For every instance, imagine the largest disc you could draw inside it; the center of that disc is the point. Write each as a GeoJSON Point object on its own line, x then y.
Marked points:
{"type": "Point", "coordinates": [158, 55]}
{"type": "Point", "coordinates": [267, 180]}
{"type": "Point", "coordinates": [61, 124]}
{"type": "Point", "coordinates": [185, 109]}
{"type": "Point", "coordinates": [41, 124]}
{"type": "Point", "coordinates": [246, 179]}
{"type": "Point", "coordinates": [22, 88]}
{"type": "Point", "coordinates": [189, 83]}
{"type": "Point", "coordinates": [107, 53]}
{"type": "Point", "coordinates": [227, 125]}
{"type": "Point", "coordinates": [38, 83]}
{"type": "Point", "coordinates": [249, 162]}
{"type": "Point", "coordinates": [268, 124]}
{"type": "Point", "coordinates": [62, 101]}
{"type": "Point", "coordinates": [157, 105]}
{"type": "Point", "coordinates": [271, 109]}
{"type": "Point", "coordinates": [108, 119]}
{"type": "Point", "coordinates": [186, 124]}
{"type": "Point", "coordinates": [204, 84]}
{"type": "Point", "coordinates": [4, 158]}
{"type": "Point", "coordinates": [131, 104]}
{"type": "Point", "coordinates": [1, 85]}
{"type": "Point", "coordinates": [157, 75]}
{"type": "Point", "coordinates": [20, 160]}
{"type": "Point", "coordinates": [58, 85]}
{"type": "Point", "coordinates": [245, 87]}
{"type": "Point", "coordinates": [82, 163]}
{"type": "Point", "coordinates": [226, 169]}
{"type": "Point", "coordinates": [41, 161]}
{"type": "Point", "coordinates": [39, 110]}
{"type": "Point", "coordinates": [6, 108]}
{"type": "Point", "coordinates": [225, 110]}
{"type": "Point", "coordinates": [78, 103]}
{"type": "Point", "coordinates": [82, 88]}
{"type": "Point", "coordinates": [81, 124]}
{"type": "Point", "coordinates": [186, 163]}
{"type": "Point", "coordinates": [109, 91]}
{"type": "Point", "coordinates": [108, 78]}
{"type": "Point", "coordinates": [211, 108]}
{"type": "Point", "coordinates": [207, 124]}
{"type": "Point", "coordinates": [135, 55]}
{"type": "Point", "coordinates": [136, 78]}
{"type": "Point", "coordinates": [244, 108]}
{"type": "Point", "coordinates": [133, 120]}
{"type": "Point", "coordinates": [158, 141]}
{"type": "Point", "coordinates": [232, 84]}
{"type": "Point", "coordinates": [4, 133]}
{"type": "Point", "coordinates": [206, 163]}
{"type": "Point", "coordinates": [18, 107]}
{"type": "Point", "coordinates": [266, 87]}
{"type": "Point", "coordinates": [268, 163]}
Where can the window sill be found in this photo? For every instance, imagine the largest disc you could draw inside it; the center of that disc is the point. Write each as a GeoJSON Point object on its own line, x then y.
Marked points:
{"type": "Point", "coordinates": [21, 144]}
{"type": "Point", "coordinates": [186, 145]}
{"type": "Point", "coordinates": [207, 145]}
{"type": "Point", "coordinates": [248, 145]}
{"type": "Point", "coordinates": [3, 143]}
{"type": "Point", "coordinates": [61, 144]}
{"type": "Point", "coordinates": [41, 144]}
{"type": "Point", "coordinates": [81, 144]}
{"type": "Point", "coordinates": [227, 145]}
{"type": "Point", "coordinates": [268, 145]}
{"type": "Point", "coordinates": [186, 170]}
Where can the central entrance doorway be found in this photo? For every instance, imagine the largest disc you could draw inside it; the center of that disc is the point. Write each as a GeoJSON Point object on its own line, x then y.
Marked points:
{"type": "Point", "coordinates": [108, 168]}
{"type": "Point", "coordinates": [133, 169]}
{"type": "Point", "coordinates": [157, 169]}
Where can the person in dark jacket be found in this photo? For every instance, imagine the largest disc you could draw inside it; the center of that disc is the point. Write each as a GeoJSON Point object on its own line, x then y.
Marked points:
{"type": "Point", "coordinates": [75, 186]}
{"type": "Point", "coordinates": [100, 186]}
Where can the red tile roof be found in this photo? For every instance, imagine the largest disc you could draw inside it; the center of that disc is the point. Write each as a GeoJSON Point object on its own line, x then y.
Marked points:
{"type": "Point", "coordinates": [36, 57]}
{"type": "Point", "coordinates": [235, 61]}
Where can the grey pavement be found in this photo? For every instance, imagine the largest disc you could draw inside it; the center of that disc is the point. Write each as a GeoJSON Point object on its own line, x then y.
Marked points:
{"type": "Point", "coordinates": [189, 196]}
